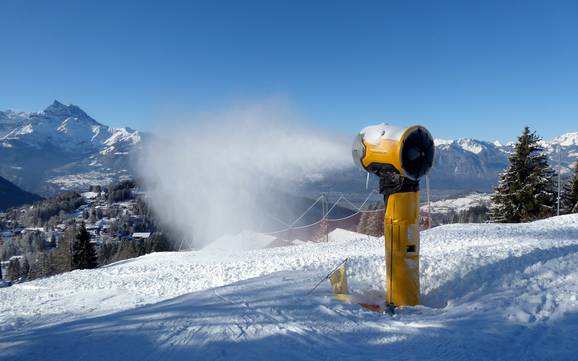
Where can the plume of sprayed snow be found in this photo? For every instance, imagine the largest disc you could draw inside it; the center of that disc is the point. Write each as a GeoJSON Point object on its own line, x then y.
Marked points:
{"type": "Point", "coordinates": [217, 174]}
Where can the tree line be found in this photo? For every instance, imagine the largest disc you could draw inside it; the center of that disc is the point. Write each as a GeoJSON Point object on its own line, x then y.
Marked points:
{"type": "Point", "coordinates": [527, 189]}
{"type": "Point", "coordinates": [31, 253]}
{"type": "Point", "coordinates": [76, 250]}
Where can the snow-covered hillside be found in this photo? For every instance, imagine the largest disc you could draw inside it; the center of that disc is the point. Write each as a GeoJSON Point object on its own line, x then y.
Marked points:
{"type": "Point", "coordinates": [489, 292]}
{"type": "Point", "coordinates": [459, 204]}
{"type": "Point", "coordinates": [471, 208]}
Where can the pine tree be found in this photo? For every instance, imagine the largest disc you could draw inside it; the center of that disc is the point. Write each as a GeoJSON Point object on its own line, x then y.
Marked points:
{"type": "Point", "coordinates": [61, 256]}
{"type": "Point", "coordinates": [25, 269]}
{"type": "Point", "coordinates": [126, 250]}
{"type": "Point", "coordinates": [40, 267]}
{"type": "Point", "coordinates": [158, 242]}
{"type": "Point", "coordinates": [569, 201]}
{"type": "Point", "coordinates": [83, 251]}
{"type": "Point", "coordinates": [106, 252]}
{"type": "Point", "coordinates": [526, 188]}
{"type": "Point", "coordinates": [13, 272]}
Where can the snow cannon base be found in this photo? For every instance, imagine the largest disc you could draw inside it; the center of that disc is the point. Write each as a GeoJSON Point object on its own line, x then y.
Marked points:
{"type": "Point", "coordinates": [369, 300]}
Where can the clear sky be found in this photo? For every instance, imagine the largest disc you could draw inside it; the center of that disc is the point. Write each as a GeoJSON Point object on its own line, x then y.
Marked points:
{"type": "Point", "coordinates": [480, 69]}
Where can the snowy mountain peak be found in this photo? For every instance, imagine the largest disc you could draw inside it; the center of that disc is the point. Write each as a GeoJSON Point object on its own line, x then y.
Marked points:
{"type": "Point", "coordinates": [60, 111]}
{"type": "Point", "coordinates": [56, 106]}
{"type": "Point", "coordinates": [439, 142]}
{"type": "Point", "coordinates": [8, 114]}
{"type": "Point", "coordinates": [467, 144]}
{"type": "Point", "coordinates": [79, 149]}
{"type": "Point", "coordinates": [566, 140]}
{"type": "Point", "coordinates": [68, 127]}
{"type": "Point", "coordinates": [471, 145]}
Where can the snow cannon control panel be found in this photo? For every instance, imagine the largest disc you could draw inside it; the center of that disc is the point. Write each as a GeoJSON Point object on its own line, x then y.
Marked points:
{"type": "Point", "coordinates": [400, 157]}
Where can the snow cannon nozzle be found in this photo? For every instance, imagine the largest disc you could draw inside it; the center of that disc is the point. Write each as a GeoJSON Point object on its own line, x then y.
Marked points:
{"type": "Point", "coordinates": [407, 151]}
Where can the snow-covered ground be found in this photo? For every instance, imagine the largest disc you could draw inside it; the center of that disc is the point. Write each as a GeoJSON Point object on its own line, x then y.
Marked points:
{"type": "Point", "coordinates": [245, 240]}
{"type": "Point", "coordinates": [489, 292]}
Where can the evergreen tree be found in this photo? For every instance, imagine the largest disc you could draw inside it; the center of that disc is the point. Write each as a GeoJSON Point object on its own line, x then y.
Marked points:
{"type": "Point", "coordinates": [13, 272]}
{"type": "Point", "coordinates": [61, 256]}
{"type": "Point", "coordinates": [126, 250]}
{"type": "Point", "coordinates": [158, 242]}
{"type": "Point", "coordinates": [83, 251]}
{"type": "Point", "coordinates": [569, 201]}
{"type": "Point", "coordinates": [140, 247]}
{"type": "Point", "coordinates": [40, 266]}
{"type": "Point", "coordinates": [25, 269]}
{"type": "Point", "coordinates": [106, 252]}
{"type": "Point", "coordinates": [526, 188]}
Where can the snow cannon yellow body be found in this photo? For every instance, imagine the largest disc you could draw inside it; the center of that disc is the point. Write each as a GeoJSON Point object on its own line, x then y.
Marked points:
{"type": "Point", "coordinates": [399, 156]}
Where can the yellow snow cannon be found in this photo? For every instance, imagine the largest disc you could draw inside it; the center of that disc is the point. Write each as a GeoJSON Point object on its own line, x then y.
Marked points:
{"type": "Point", "coordinates": [399, 156]}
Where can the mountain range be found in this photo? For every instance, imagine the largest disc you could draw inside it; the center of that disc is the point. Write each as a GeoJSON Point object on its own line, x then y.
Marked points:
{"type": "Point", "coordinates": [63, 148]}
{"type": "Point", "coordinates": [461, 166]}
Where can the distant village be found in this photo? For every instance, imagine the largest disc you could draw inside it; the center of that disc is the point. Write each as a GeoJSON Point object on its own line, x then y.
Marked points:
{"type": "Point", "coordinates": [38, 240]}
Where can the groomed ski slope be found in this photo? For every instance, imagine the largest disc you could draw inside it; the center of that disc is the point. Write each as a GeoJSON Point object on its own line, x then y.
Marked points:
{"type": "Point", "coordinates": [490, 292]}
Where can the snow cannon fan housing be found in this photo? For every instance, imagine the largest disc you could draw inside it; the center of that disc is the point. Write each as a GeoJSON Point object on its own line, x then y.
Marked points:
{"type": "Point", "coordinates": [407, 152]}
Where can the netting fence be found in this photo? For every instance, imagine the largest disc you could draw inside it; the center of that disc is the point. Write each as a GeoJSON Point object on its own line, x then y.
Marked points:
{"type": "Point", "coordinates": [320, 229]}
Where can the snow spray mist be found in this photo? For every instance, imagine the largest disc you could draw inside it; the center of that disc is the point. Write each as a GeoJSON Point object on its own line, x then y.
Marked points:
{"type": "Point", "coordinates": [215, 174]}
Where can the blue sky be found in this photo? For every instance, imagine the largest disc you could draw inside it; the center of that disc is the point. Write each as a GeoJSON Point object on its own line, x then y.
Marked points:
{"type": "Point", "coordinates": [480, 69]}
